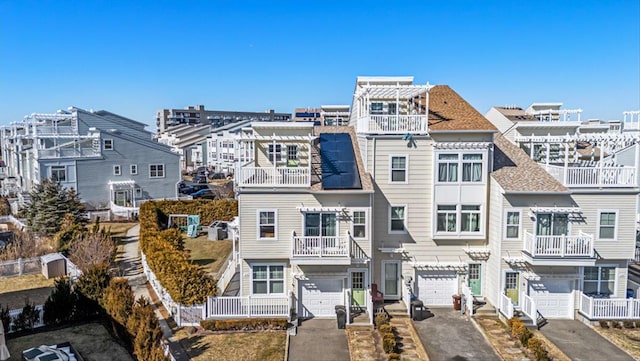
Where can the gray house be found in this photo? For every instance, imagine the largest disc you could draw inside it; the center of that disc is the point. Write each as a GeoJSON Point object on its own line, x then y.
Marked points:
{"type": "Point", "coordinates": [112, 161]}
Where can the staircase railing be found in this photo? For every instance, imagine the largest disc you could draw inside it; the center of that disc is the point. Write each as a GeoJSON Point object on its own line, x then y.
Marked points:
{"type": "Point", "coordinates": [529, 308]}
{"type": "Point", "coordinates": [506, 306]}
{"type": "Point", "coordinates": [468, 299]}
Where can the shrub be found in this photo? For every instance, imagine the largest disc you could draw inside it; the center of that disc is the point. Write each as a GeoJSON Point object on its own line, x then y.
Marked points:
{"type": "Point", "coordinates": [173, 236]}
{"type": "Point", "coordinates": [144, 329]}
{"type": "Point", "coordinates": [248, 324]}
{"type": "Point", "coordinates": [394, 357]}
{"type": "Point", "coordinates": [118, 300]}
{"type": "Point", "coordinates": [381, 319]}
{"type": "Point", "coordinates": [27, 318]}
{"type": "Point", "coordinates": [627, 324]}
{"type": "Point", "coordinates": [89, 290]}
{"type": "Point", "coordinates": [385, 328]}
{"type": "Point", "coordinates": [615, 324]}
{"type": "Point", "coordinates": [521, 332]}
{"type": "Point", "coordinates": [603, 323]}
{"type": "Point", "coordinates": [538, 349]}
{"type": "Point", "coordinates": [60, 305]}
{"type": "Point", "coordinates": [389, 342]}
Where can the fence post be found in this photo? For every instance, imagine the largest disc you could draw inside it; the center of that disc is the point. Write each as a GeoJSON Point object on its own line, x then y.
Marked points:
{"type": "Point", "coordinates": [179, 319]}
{"type": "Point", "coordinates": [630, 307]}
{"type": "Point", "coordinates": [20, 267]}
{"type": "Point", "coordinates": [249, 306]}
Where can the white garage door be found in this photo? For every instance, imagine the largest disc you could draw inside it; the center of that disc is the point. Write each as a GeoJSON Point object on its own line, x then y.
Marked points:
{"type": "Point", "coordinates": [553, 297]}
{"type": "Point", "coordinates": [318, 297]}
{"type": "Point", "coordinates": [436, 288]}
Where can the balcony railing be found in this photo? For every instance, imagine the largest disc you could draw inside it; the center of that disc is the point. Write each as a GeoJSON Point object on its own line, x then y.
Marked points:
{"type": "Point", "coordinates": [609, 308]}
{"type": "Point", "coordinates": [506, 306]}
{"type": "Point", "coordinates": [270, 176]}
{"type": "Point", "coordinates": [56, 130]}
{"type": "Point", "coordinates": [312, 246]}
{"type": "Point", "coordinates": [393, 124]}
{"type": "Point", "coordinates": [594, 176]}
{"type": "Point", "coordinates": [580, 245]}
{"type": "Point", "coordinates": [248, 306]}
{"type": "Point", "coordinates": [68, 153]}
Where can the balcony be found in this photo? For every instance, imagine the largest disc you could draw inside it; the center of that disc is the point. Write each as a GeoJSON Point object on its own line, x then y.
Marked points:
{"type": "Point", "coordinates": [44, 131]}
{"type": "Point", "coordinates": [68, 153]}
{"type": "Point", "coordinates": [273, 177]}
{"type": "Point", "coordinates": [559, 250]}
{"type": "Point", "coordinates": [393, 124]}
{"type": "Point", "coordinates": [321, 249]}
{"type": "Point", "coordinates": [609, 177]}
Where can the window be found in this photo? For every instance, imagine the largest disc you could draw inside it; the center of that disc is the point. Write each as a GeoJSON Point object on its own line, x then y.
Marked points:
{"type": "Point", "coordinates": [108, 144]}
{"type": "Point", "coordinates": [292, 152]}
{"type": "Point", "coordinates": [359, 224]}
{"type": "Point", "coordinates": [607, 225]}
{"type": "Point", "coordinates": [156, 171]}
{"type": "Point", "coordinates": [376, 108]}
{"type": "Point", "coordinates": [398, 168]}
{"type": "Point", "coordinates": [134, 169]}
{"type": "Point", "coordinates": [397, 219]}
{"type": "Point", "coordinates": [267, 279]}
{"type": "Point", "coordinates": [138, 192]}
{"type": "Point", "coordinates": [117, 170]}
{"type": "Point", "coordinates": [58, 173]}
{"type": "Point", "coordinates": [447, 167]}
{"type": "Point", "coordinates": [472, 167]}
{"type": "Point", "coordinates": [275, 152]}
{"type": "Point", "coordinates": [599, 280]}
{"type": "Point", "coordinates": [391, 108]}
{"type": "Point", "coordinates": [320, 224]}
{"type": "Point", "coordinates": [470, 218]}
{"type": "Point", "coordinates": [512, 225]}
{"type": "Point", "coordinates": [267, 224]}
{"type": "Point", "coordinates": [447, 218]}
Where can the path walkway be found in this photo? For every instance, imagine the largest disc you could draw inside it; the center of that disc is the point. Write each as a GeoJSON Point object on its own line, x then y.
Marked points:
{"type": "Point", "coordinates": [131, 268]}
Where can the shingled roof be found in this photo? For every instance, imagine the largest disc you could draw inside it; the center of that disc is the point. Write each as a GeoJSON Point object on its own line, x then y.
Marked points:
{"type": "Point", "coordinates": [449, 111]}
{"type": "Point", "coordinates": [516, 114]}
{"type": "Point", "coordinates": [516, 172]}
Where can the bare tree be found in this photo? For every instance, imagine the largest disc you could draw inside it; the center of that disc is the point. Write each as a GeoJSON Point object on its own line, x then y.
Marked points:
{"type": "Point", "coordinates": [24, 245]}
{"type": "Point", "coordinates": [93, 248]}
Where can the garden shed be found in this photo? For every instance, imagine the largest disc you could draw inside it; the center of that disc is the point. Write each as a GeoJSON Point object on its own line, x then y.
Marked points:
{"type": "Point", "coordinates": [53, 265]}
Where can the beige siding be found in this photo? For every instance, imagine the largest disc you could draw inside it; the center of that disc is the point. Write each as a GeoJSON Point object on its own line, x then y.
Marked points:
{"type": "Point", "coordinates": [495, 264]}
{"type": "Point", "coordinates": [246, 275]}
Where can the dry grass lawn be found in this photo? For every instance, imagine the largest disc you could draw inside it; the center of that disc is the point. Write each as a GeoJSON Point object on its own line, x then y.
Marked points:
{"type": "Point", "coordinates": [626, 339]}
{"type": "Point", "coordinates": [20, 283]}
{"type": "Point", "coordinates": [118, 229]}
{"type": "Point", "coordinates": [92, 341]}
{"type": "Point", "coordinates": [15, 290]}
{"type": "Point", "coordinates": [264, 346]}
{"type": "Point", "coordinates": [210, 255]}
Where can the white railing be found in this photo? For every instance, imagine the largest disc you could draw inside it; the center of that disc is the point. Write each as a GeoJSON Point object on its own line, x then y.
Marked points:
{"type": "Point", "coordinates": [506, 307]}
{"type": "Point", "coordinates": [14, 313]}
{"type": "Point", "coordinates": [19, 267]}
{"type": "Point", "coordinates": [369, 302]}
{"type": "Point", "coordinates": [67, 153]}
{"type": "Point", "coordinates": [307, 246]}
{"type": "Point", "coordinates": [348, 303]}
{"type": "Point", "coordinates": [120, 211]}
{"type": "Point", "coordinates": [248, 306]}
{"type": "Point", "coordinates": [580, 245]}
{"type": "Point", "coordinates": [468, 299]}
{"type": "Point", "coordinates": [273, 176]}
{"type": "Point", "coordinates": [609, 308]}
{"type": "Point", "coordinates": [406, 296]}
{"type": "Point", "coordinates": [529, 308]}
{"type": "Point", "coordinates": [42, 130]}
{"type": "Point", "coordinates": [227, 275]}
{"type": "Point", "coordinates": [18, 223]}
{"type": "Point", "coordinates": [595, 176]}
{"type": "Point", "coordinates": [393, 124]}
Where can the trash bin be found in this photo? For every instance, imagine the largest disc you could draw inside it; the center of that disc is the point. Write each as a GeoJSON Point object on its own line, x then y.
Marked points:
{"type": "Point", "coordinates": [417, 307]}
{"type": "Point", "coordinates": [457, 302]}
{"type": "Point", "coordinates": [630, 293]}
{"type": "Point", "coordinates": [341, 316]}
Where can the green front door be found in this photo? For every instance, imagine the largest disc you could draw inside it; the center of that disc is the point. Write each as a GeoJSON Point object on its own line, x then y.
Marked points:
{"type": "Point", "coordinates": [475, 278]}
{"type": "Point", "coordinates": [357, 289]}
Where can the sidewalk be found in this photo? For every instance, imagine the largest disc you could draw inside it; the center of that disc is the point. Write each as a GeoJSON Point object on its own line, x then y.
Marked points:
{"type": "Point", "coordinates": [132, 270]}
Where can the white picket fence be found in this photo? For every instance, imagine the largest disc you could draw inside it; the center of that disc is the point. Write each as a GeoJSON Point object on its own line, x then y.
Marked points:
{"type": "Point", "coordinates": [609, 308]}
{"type": "Point", "coordinates": [468, 299]}
{"type": "Point", "coordinates": [248, 306]}
{"type": "Point", "coordinates": [15, 312]}
{"type": "Point", "coordinates": [506, 306]}
{"type": "Point", "coordinates": [19, 267]}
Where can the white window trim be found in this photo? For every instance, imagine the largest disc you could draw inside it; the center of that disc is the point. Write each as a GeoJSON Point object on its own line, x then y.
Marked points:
{"type": "Point", "coordinates": [435, 220]}
{"type": "Point", "coordinates": [132, 167]}
{"type": "Point", "coordinates": [66, 173]}
{"type": "Point", "coordinates": [461, 153]}
{"type": "Point", "coordinates": [275, 226]}
{"type": "Point", "coordinates": [138, 192]}
{"type": "Point", "coordinates": [504, 224]}
{"type": "Point", "coordinates": [479, 212]}
{"type": "Point", "coordinates": [117, 169]}
{"type": "Point", "coordinates": [284, 278]}
{"type": "Point", "coordinates": [104, 144]}
{"type": "Point", "coordinates": [458, 211]}
{"type": "Point", "coordinates": [406, 168]}
{"type": "Point", "coordinates": [406, 217]}
{"type": "Point", "coordinates": [156, 176]}
{"type": "Point", "coordinates": [366, 222]}
{"type": "Point", "coordinates": [615, 229]}
{"type": "Point", "coordinates": [615, 277]}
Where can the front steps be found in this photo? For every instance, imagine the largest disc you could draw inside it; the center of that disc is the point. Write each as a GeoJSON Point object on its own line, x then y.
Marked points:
{"type": "Point", "coordinates": [409, 344]}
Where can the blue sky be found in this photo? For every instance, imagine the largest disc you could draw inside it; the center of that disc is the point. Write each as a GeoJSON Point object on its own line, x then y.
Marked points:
{"type": "Point", "coordinates": [134, 57]}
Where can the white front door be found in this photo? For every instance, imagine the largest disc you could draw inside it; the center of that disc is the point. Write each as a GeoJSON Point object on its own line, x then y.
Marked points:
{"type": "Point", "coordinates": [436, 288]}
{"type": "Point", "coordinates": [319, 296]}
{"type": "Point", "coordinates": [554, 297]}
{"type": "Point", "coordinates": [391, 280]}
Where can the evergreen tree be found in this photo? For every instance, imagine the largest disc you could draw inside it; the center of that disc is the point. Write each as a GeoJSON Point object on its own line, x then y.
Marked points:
{"type": "Point", "coordinates": [59, 307]}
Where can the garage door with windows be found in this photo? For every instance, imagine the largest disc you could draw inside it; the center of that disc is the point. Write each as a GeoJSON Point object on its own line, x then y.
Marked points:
{"type": "Point", "coordinates": [436, 288]}
{"type": "Point", "coordinates": [319, 296]}
{"type": "Point", "coordinates": [553, 297]}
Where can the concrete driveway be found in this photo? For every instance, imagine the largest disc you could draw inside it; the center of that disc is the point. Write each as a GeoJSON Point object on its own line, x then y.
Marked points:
{"type": "Point", "coordinates": [319, 340]}
{"type": "Point", "coordinates": [580, 342]}
{"type": "Point", "coordinates": [448, 336]}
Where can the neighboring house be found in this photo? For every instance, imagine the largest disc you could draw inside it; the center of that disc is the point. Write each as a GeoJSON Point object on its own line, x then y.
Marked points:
{"type": "Point", "coordinates": [325, 115]}
{"type": "Point", "coordinates": [110, 160]}
{"type": "Point", "coordinates": [219, 149]}
{"type": "Point", "coordinates": [305, 213]}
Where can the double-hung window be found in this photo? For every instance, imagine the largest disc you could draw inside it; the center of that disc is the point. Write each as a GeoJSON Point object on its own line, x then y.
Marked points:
{"type": "Point", "coordinates": [599, 280]}
{"type": "Point", "coordinates": [512, 224]}
{"type": "Point", "coordinates": [398, 169]}
{"type": "Point", "coordinates": [267, 224]}
{"type": "Point", "coordinates": [117, 170]}
{"type": "Point", "coordinates": [359, 224]}
{"type": "Point", "coordinates": [133, 169]}
{"type": "Point", "coordinates": [58, 173]}
{"type": "Point", "coordinates": [275, 152]}
{"type": "Point", "coordinates": [447, 167]}
{"type": "Point", "coordinates": [458, 218]}
{"type": "Point", "coordinates": [376, 108]}
{"type": "Point", "coordinates": [397, 219]}
{"type": "Point", "coordinates": [472, 167]}
{"type": "Point", "coordinates": [470, 218]}
{"type": "Point", "coordinates": [267, 279]}
{"type": "Point", "coordinates": [156, 170]}
{"type": "Point", "coordinates": [447, 218]}
{"type": "Point", "coordinates": [107, 144]}
{"type": "Point", "coordinates": [292, 155]}
{"type": "Point", "coordinates": [607, 225]}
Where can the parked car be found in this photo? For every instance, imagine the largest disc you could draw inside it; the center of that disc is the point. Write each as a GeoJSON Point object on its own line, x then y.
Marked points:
{"type": "Point", "coordinates": [217, 176]}
{"type": "Point", "coordinates": [200, 179]}
{"type": "Point", "coordinates": [194, 188]}
{"type": "Point", "coordinates": [183, 187]}
{"type": "Point", "coordinates": [204, 193]}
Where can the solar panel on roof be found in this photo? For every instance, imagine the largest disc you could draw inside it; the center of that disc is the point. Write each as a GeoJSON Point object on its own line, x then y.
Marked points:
{"type": "Point", "coordinates": [339, 167]}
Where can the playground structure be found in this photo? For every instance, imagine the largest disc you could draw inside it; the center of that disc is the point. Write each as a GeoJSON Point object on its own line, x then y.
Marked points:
{"type": "Point", "coordinates": [186, 222]}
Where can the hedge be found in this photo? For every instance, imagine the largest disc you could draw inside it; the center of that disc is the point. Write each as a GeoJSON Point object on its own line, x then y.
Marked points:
{"type": "Point", "coordinates": [246, 324]}
{"type": "Point", "coordinates": [186, 283]}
